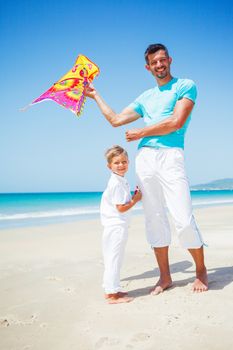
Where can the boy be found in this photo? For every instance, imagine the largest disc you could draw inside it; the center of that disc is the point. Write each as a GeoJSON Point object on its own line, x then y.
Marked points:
{"type": "Point", "coordinates": [115, 204]}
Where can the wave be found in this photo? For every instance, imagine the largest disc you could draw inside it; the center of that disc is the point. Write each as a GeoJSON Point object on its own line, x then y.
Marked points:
{"type": "Point", "coordinates": [92, 211]}
{"type": "Point", "coordinates": [208, 189]}
{"type": "Point", "coordinates": [205, 203]}
{"type": "Point", "coordinates": [51, 213]}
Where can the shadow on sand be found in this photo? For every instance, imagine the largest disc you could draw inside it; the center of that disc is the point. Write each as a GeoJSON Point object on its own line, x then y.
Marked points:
{"type": "Point", "coordinates": [219, 277]}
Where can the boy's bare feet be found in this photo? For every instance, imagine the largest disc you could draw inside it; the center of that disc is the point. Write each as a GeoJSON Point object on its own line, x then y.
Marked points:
{"type": "Point", "coordinates": [120, 294]}
{"type": "Point", "coordinates": [201, 282]}
{"type": "Point", "coordinates": [161, 286]}
{"type": "Point", "coordinates": [116, 298]}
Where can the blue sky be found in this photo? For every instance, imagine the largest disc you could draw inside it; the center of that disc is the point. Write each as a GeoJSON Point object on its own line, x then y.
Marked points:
{"type": "Point", "coordinates": [47, 148]}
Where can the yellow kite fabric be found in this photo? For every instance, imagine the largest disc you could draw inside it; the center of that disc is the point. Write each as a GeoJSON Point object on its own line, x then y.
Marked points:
{"type": "Point", "coordinates": [69, 90]}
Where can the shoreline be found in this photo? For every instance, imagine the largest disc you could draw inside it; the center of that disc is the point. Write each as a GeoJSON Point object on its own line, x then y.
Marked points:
{"type": "Point", "coordinates": [48, 221]}
{"type": "Point", "coordinates": [51, 295]}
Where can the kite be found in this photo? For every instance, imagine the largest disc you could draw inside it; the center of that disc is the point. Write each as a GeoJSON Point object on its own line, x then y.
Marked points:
{"type": "Point", "coordinates": [69, 90]}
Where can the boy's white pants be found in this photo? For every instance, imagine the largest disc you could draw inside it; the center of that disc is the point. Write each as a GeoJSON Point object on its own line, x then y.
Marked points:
{"type": "Point", "coordinates": [163, 182]}
{"type": "Point", "coordinates": [114, 241]}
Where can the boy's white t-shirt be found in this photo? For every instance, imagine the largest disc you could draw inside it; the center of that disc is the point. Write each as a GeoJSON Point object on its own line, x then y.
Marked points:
{"type": "Point", "coordinates": [117, 192]}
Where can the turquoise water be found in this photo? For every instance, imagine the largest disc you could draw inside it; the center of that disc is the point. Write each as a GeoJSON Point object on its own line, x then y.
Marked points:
{"type": "Point", "coordinates": [27, 209]}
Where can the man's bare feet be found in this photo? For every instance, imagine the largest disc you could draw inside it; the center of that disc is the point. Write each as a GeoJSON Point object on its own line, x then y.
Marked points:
{"type": "Point", "coordinates": [116, 298]}
{"type": "Point", "coordinates": [161, 286]}
{"type": "Point", "coordinates": [201, 282]}
{"type": "Point", "coordinates": [120, 294]}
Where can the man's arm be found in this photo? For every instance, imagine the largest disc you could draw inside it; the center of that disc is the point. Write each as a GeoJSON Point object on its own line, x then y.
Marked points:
{"type": "Point", "coordinates": [128, 115]}
{"type": "Point", "coordinates": [180, 114]}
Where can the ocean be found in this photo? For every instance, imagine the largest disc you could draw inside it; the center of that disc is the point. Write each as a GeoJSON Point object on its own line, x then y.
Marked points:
{"type": "Point", "coordinates": [34, 209]}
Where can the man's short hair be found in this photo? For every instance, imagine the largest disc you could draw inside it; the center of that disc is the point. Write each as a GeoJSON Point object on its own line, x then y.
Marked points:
{"type": "Point", "coordinates": [115, 151]}
{"type": "Point", "coordinates": [154, 48]}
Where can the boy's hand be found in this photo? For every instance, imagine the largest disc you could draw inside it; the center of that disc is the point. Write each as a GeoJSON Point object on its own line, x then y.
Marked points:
{"type": "Point", "coordinates": [135, 198]}
{"type": "Point", "coordinates": [137, 195]}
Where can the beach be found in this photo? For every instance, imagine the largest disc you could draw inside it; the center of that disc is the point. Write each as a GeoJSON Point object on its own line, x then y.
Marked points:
{"type": "Point", "coordinates": [51, 294]}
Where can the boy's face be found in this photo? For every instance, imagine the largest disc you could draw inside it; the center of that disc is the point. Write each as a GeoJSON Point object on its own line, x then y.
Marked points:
{"type": "Point", "coordinates": [119, 165]}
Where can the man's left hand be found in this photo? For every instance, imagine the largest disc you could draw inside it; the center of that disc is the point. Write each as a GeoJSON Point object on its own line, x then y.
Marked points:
{"type": "Point", "coordinates": [132, 135]}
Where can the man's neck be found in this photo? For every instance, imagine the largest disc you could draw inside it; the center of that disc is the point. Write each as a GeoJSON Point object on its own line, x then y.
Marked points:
{"type": "Point", "coordinates": [164, 81]}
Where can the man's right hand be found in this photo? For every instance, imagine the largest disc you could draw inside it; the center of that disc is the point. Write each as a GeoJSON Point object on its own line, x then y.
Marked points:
{"type": "Point", "coordinates": [90, 91]}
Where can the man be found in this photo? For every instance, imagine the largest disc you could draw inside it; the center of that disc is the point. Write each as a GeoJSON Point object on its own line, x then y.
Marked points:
{"type": "Point", "coordinates": [166, 110]}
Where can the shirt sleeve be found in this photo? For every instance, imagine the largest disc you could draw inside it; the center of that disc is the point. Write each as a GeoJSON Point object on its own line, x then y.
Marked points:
{"type": "Point", "coordinates": [136, 106]}
{"type": "Point", "coordinates": [188, 90]}
{"type": "Point", "coordinates": [119, 195]}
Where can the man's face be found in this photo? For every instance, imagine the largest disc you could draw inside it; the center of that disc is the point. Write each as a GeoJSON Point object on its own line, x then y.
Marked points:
{"type": "Point", "coordinates": [159, 64]}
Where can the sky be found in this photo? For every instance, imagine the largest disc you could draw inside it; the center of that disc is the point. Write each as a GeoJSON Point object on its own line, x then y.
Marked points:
{"type": "Point", "coordinates": [47, 148]}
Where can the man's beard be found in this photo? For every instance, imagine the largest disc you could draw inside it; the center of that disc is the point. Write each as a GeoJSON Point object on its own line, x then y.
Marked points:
{"type": "Point", "coordinates": [162, 75]}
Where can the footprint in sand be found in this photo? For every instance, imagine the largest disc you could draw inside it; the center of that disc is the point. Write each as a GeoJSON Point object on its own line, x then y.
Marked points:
{"type": "Point", "coordinates": [140, 337]}
{"type": "Point", "coordinates": [69, 290]}
{"type": "Point", "coordinates": [43, 325]}
{"type": "Point", "coordinates": [4, 323]}
{"type": "Point", "coordinates": [101, 342]}
{"type": "Point", "coordinates": [12, 320]}
{"type": "Point", "coordinates": [54, 278]}
{"type": "Point", "coordinates": [31, 320]}
{"type": "Point", "coordinates": [105, 341]}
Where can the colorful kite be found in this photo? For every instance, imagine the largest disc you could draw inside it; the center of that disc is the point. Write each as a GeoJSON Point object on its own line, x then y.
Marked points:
{"type": "Point", "coordinates": [69, 90]}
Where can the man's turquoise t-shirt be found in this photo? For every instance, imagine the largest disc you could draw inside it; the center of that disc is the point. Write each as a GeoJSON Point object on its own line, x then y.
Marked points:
{"type": "Point", "coordinates": [157, 104]}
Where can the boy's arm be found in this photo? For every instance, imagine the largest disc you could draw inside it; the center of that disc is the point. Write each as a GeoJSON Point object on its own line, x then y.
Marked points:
{"type": "Point", "coordinates": [135, 198]}
{"type": "Point", "coordinates": [128, 115]}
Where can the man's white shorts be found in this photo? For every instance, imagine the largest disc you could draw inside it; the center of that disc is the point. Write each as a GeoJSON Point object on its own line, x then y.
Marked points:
{"type": "Point", "coordinates": [162, 179]}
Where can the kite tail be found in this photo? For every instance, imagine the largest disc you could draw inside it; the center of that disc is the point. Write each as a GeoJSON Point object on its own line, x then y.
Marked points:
{"type": "Point", "coordinates": [81, 107]}
{"type": "Point", "coordinates": [24, 109]}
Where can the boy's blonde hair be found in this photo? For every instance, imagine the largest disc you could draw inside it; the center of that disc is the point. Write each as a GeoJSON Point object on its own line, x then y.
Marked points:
{"type": "Point", "coordinates": [115, 151]}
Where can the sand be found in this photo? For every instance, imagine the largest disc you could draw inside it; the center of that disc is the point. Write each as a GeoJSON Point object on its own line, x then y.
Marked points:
{"type": "Point", "coordinates": [51, 295]}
